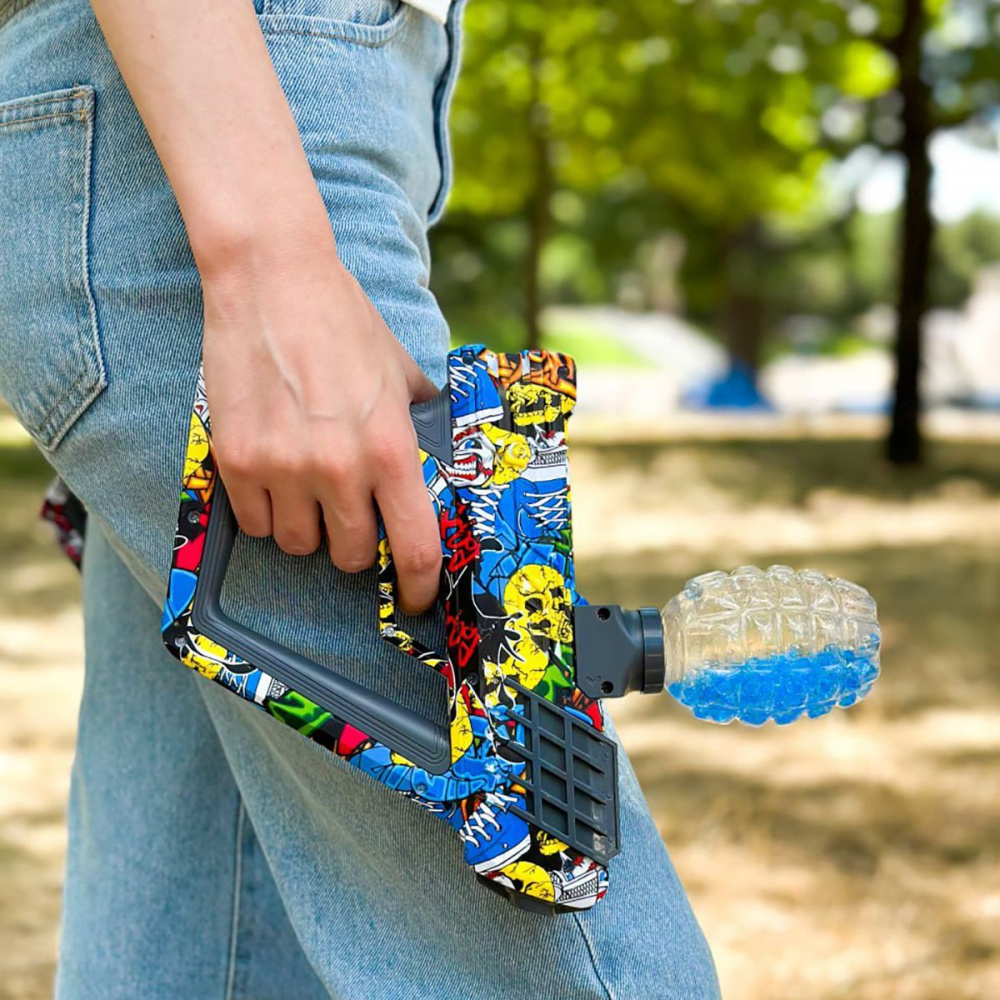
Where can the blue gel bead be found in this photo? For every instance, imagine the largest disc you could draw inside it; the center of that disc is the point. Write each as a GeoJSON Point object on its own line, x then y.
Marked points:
{"type": "Point", "coordinates": [793, 693]}
{"type": "Point", "coordinates": [817, 711]}
{"type": "Point", "coordinates": [828, 657]}
{"type": "Point", "coordinates": [867, 672]}
{"type": "Point", "coordinates": [756, 688]}
{"type": "Point", "coordinates": [781, 687]}
{"type": "Point", "coordinates": [786, 718]}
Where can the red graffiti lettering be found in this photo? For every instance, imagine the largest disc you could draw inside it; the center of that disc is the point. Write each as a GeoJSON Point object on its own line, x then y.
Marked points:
{"type": "Point", "coordinates": [459, 539]}
{"type": "Point", "coordinates": [463, 640]}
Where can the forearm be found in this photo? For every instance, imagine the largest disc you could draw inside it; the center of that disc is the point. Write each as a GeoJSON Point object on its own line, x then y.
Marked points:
{"type": "Point", "coordinates": [202, 80]}
{"type": "Point", "coordinates": [309, 390]}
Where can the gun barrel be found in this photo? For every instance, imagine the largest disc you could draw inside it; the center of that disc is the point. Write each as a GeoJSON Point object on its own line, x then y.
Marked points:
{"type": "Point", "coordinates": [618, 651]}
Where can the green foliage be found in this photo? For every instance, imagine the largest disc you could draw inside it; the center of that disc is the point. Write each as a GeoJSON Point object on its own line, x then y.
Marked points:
{"type": "Point", "coordinates": [712, 120]}
{"type": "Point", "coordinates": [21, 461]}
{"type": "Point", "coordinates": [963, 249]}
{"type": "Point", "coordinates": [841, 271]}
{"type": "Point", "coordinates": [592, 348]}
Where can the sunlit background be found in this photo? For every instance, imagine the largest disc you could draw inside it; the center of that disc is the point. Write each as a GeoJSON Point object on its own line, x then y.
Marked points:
{"type": "Point", "coordinates": [756, 201]}
{"type": "Point", "coordinates": [770, 234]}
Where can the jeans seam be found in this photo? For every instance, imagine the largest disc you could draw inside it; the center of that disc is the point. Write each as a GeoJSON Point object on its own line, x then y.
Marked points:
{"type": "Point", "coordinates": [100, 380]}
{"type": "Point", "coordinates": [17, 103]}
{"type": "Point", "coordinates": [369, 36]}
{"type": "Point", "coordinates": [237, 891]}
{"type": "Point", "coordinates": [89, 385]}
{"type": "Point", "coordinates": [52, 415]}
{"type": "Point", "coordinates": [442, 99]}
{"type": "Point", "coordinates": [51, 116]}
{"type": "Point", "coordinates": [55, 97]}
{"type": "Point", "coordinates": [9, 110]}
{"type": "Point", "coordinates": [593, 957]}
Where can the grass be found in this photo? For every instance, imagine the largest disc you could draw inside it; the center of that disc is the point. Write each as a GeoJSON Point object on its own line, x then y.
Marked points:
{"type": "Point", "coordinates": [593, 349]}
{"type": "Point", "coordinates": [854, 857]}
{"type": "Point", "coordinates": [590, 347]}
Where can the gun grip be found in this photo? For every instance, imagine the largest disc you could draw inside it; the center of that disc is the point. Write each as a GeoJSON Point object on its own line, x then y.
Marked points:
{"type": "Point", "coordinates": [432, 422]}
{"type": "Point", "coordinates": [424, 741]}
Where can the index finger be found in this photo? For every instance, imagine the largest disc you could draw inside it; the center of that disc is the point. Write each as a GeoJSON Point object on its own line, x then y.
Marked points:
{"type": "Point", "coordinates": [412, 528]}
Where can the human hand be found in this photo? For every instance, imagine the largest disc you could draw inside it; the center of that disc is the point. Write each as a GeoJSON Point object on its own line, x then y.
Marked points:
{"type": "Point", "coordinates": [309, 394]}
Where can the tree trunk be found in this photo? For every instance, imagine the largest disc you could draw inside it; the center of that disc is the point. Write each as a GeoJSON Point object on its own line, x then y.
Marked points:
{"type": "Point", "coordinates": [905, 443]}
{"type": "Point", "coordinates": [744, 329]}
{"type": "Point", "coordinates": [538, 218]}
{"type": "Point", "coordinates": [538, 229]}
{"type": "Point", "coordinates": [743, 306]}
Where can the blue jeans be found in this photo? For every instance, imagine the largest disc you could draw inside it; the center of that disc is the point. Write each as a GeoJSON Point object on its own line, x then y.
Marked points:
{"type": "Point", "coordinates": [212, 851]}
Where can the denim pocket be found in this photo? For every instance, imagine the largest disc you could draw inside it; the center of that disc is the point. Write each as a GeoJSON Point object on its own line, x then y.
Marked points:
{"type": "Point", "coordinates": [442, 106]}
{"type": "Point", "coordinates": [51, 366]}
{"type": "Point", "coordinates": [365, 22]}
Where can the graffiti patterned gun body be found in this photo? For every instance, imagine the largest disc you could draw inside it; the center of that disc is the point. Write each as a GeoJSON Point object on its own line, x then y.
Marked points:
{"type": "Point", "coordinates": [521, 769]}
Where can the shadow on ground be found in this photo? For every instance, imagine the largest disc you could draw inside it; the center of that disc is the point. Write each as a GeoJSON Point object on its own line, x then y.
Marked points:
{"type": "Point", "coordinates": [789, 471]}
{"type": "Point", "coordinates": [853, 857]}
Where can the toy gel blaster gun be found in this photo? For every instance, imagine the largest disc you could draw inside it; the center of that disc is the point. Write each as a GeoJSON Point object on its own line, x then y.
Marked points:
{"type": "Point", "coordinates": [521, 770]}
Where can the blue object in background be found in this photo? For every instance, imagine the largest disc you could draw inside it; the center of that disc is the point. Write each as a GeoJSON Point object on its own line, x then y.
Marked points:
{"type": "Point", "coordinates": [736, 390]}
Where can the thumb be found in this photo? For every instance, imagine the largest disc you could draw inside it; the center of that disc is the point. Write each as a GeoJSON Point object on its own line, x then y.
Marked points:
{"type": "Point", "coordinates": [420, 386]}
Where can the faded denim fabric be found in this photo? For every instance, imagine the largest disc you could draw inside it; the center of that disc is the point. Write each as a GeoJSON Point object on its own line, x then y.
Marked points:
{"type": "Point", "coordinates": [213, 852]}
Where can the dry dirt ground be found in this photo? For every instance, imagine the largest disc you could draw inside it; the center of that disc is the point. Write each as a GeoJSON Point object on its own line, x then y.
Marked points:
{"type": "Point", "coordinates": [857, 856]}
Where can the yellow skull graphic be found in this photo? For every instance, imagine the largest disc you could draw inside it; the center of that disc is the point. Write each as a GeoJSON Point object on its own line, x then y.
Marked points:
{"type": "Point", "coordinates": [205, 656]}
{"type": "Point", "coordinates": [536, 404]}
{"type": "Point", "coordinates": [512, 454]}
{"type": "Point", "coordinates": [548, 844]}
{"type": "Point", "coordinates": [539, 604]}
{"type": "Point", "coordinates": [529, 878]}
{"type": "Point", "coordinates": [195, 475]}
{"type": "Point", "coordinates": [491, 454]}
{"type": "Point", "coordinates": [526, 666]}
{"type": "Point", "coordinates": [461, 730]}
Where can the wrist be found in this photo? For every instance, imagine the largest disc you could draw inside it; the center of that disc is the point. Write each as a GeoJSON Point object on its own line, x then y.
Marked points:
{"type": "Point", "coordinates": [240, 241]}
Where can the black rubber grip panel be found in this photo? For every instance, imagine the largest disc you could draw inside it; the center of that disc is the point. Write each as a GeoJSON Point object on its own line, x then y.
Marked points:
{"type": "Point", "coordinates": [425, 741]}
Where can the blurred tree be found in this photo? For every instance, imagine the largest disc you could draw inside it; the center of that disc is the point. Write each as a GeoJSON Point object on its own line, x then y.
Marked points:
{"type": "Point", "coordinates": [518, 104]}
{"type": "Point", "coordinates": [621, 122]}
{"type": "Point", "coordinates": [638, 106]}
{"type": "Point", "coordinates": [963, 249]}
{"type": "Point", "coordinates": [843, 268]}
{"type": "Point", "coordinates": [906, 44]}
{"type": "Point", "coordinates": [584, 131]}
{"type": "Point", "coordinates": [946, 59]}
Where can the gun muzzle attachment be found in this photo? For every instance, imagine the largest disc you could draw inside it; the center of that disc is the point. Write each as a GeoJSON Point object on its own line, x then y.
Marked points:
{"type": "Point", "coordinates": [618, 651]}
